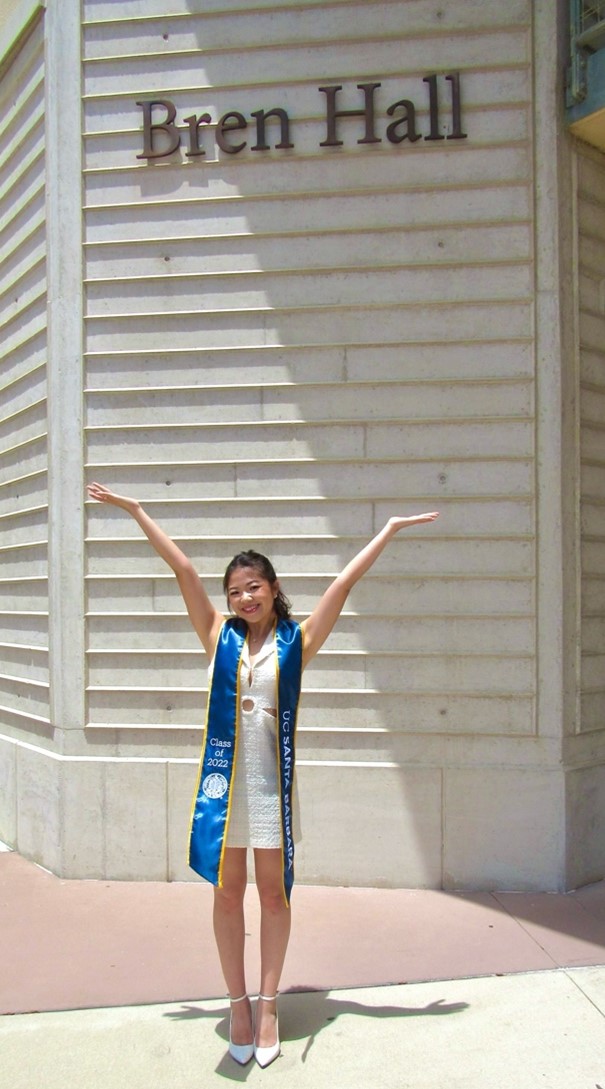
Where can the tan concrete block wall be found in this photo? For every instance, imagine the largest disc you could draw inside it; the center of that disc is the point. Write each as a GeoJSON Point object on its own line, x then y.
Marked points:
{"type": "Point", "coordinates": [281, 348]}
{"type": "Point", "coordinates": [40, 814]}
{"type": "Point", "coordinates": [24, 672]}
{"type": "Point", "coordinates": [585, 750]}
{"type": "Point", "coordinates": [586, 824]}
{"type": "Point", "coordinates": [504, 828]}
{"type": "Point", "coordinates": [590, 174]}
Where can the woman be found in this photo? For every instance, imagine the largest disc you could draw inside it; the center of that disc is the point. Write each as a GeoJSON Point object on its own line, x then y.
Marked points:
{"type": "Point", "coordinates": [245, 794]}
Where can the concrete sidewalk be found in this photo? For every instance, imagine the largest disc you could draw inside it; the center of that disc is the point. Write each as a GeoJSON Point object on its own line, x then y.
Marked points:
{"type": "Point", "coordinates": [393, 989]}
{"type": "Point", "coordinates": [540, 1031]}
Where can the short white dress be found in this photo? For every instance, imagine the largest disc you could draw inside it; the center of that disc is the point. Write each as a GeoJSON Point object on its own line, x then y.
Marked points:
{"type": "Point", "coordinates": [255, 819]}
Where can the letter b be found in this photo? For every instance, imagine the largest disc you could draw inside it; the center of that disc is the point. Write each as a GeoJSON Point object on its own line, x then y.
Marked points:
{"type": "Point", "coordinates": [150, 128]}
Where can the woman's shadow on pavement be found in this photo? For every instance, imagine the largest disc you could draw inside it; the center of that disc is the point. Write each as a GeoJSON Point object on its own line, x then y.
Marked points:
{"type": "Point", "coordinates": [305, 1013]}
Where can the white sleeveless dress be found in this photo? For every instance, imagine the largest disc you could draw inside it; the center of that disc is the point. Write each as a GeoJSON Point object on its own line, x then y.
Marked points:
{"type": "Point", "coordinates": [255, 819]}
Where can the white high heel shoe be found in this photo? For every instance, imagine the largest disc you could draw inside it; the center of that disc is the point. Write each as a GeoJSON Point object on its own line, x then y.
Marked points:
{"type": "Point", "coordinates": [266, 1055]}
{"type": "Point", "coordinates": [242, 1053]}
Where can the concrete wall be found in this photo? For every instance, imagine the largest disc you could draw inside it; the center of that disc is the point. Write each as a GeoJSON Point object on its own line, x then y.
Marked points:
{"type": "Point", "coordinates": [24, 669]}
{"type": "Point", "coordinates": [585, 748]}
{"type": "Point", "coordinates": [281, 348]}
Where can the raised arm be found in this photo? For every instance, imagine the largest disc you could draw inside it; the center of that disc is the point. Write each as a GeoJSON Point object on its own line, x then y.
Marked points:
{"type": "Point", "coordinates": [205, 618]}
{"type": "Point", "coordinates": [325, 614]}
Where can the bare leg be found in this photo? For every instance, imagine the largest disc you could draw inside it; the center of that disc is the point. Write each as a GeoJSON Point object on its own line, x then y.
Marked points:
{"type": "Point", "coordinates": [274, 935]}
{"type": "Point", "coordinates": [229, 931]}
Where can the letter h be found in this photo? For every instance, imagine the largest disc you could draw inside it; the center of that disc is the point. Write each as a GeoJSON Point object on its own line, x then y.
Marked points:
{"type": "Point", "coordinates": [367, 112]}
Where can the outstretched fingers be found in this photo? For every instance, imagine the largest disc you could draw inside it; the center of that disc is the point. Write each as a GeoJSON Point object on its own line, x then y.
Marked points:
{"type": "Point", "coordinates": [102, 493]}
{"type": "Point", "coordinates": [97, 491]}
{"type": "Point", "coordinates": [414, 519]}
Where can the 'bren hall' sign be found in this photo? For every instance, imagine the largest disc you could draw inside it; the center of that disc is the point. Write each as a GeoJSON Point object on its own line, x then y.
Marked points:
{"type": "Point", "coordinates": [162, 135]}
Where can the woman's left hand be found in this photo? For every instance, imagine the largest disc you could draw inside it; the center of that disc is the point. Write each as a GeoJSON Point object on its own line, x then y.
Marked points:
{"type": "Point", "coordinates": [414, 520]}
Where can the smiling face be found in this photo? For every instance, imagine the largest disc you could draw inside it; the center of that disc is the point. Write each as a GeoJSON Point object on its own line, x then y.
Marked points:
{"type": "Point", "coordinates": [251, 596]}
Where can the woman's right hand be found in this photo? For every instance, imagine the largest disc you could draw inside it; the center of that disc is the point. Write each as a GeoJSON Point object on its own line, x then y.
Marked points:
{"type": "Point", "coordinates": [105, 495]}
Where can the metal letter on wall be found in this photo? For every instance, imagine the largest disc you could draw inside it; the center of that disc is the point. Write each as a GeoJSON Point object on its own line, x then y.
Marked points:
{"type": "Point", "coordinates": [194, 133]}
{"type": "Point", "coordinates": [150, 128]}
{"type": "Point", "coordinates": [456, 133]}
{"type": "Point", "coordinates": [239, 122]}
{"type": "Point", "coordinates": [434, 134]}
{"type": "Point", "coordinates": [162, 138]}
{"type": "Point", "coordinates": [261, 116]}
{"type": "Point", "coordinates": [408, 119]}
{"type": "Point", "coordinates": [333, 113]}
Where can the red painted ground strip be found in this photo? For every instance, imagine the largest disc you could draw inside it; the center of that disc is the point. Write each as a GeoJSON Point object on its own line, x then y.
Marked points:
{"type": "Point", "coordinates": [83, 944]}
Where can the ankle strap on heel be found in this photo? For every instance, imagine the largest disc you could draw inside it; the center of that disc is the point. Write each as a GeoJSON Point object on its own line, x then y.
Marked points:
{"type": "Point", "coordinates": [240, 999]}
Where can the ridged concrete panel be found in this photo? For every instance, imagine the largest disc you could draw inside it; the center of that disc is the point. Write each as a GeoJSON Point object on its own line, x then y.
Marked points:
{"type": "Point", "coordinates": [279, 364]}
{"type": "Point", "coordinates": [24, 629]}
{"type": "Point", "coordinates": [97, 10]}
{"type": "Point", "coordinates": [363, 248]}
{"type": "Point", "coordinates": [24, 674]}
{"type": "Point", "coordinates": [224, 330]}
{"type": "Point", "coordinates": [26, 595]}
{"type": "Point", "coordinates": [272, 25]}
{"type": "Point", "coordinates": [467, 479]}
{"type": "Point", "coordinates": [303, 61]}
{"type": "Point", "coordinates": [27, 561]}
{"type": "Point", "coordinates": [214, 181]}
{"type": "Point", "coordinates": [302, 212]}
{"type": "Point", "coordinates": [386, 601]}
{"type": "Point", "coordinates": [325, 555]}
{"type": "Point", "coordinates": [253, 291]}
{"type": "Point", "coordinates": [591, 257]}
{"type": "Point", "coordinates": [34, 659]}
{"type": "Point", "coordinates": [23, 694]}
{"type": "Point", "coordinates": [177, 444]}
{"type": "Point", "coordinates": [23, 493]}
{"type": "Point", "coordinates": [486, 90]}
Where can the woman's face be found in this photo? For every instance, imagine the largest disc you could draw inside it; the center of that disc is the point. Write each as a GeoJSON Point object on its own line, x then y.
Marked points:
{"type": "Point", "coordinates": [251, 596]}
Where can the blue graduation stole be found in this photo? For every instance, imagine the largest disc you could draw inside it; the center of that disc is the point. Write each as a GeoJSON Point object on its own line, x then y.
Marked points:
{"type": "Point", "coordinates": [212, 799]}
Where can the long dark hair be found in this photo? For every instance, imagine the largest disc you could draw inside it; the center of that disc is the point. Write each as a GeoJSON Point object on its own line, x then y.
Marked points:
{"type": "Point", "coordinates": [266, 571]}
